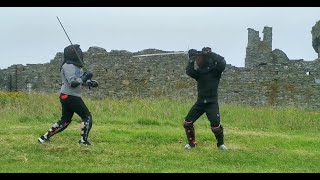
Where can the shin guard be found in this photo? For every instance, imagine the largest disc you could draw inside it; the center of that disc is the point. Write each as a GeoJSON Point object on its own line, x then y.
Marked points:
{"type": "Point", "coordinates": [190, 132]}
{"type": "Point", "coordinates": [86, 125]}
{"type": "Point", "coordinates": [56, 128]}
{"type": "Point", "coordinates": [218, 133]}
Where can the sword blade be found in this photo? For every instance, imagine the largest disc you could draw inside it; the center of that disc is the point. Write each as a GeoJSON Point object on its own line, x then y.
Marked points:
{"type": "Point", "coordinates": [160, 54]}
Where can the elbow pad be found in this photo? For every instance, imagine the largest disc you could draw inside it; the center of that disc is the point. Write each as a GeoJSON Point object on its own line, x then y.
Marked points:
{"type": "Point", "coordinates": [74, 84]}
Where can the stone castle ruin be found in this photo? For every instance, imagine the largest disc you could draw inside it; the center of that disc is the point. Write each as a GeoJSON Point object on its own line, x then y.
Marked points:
{"type": "Point", "coordinates": [268, 78]}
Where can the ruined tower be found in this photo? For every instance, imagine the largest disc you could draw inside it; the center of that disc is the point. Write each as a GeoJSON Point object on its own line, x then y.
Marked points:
{"type": "Point", "coordinates": [258, 52]}
{"type": "Point", "coordinates": [316, 38]}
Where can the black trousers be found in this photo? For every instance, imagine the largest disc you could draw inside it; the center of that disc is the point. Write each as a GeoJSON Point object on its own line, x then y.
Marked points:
{"type": "Point", "coordinates": [73, 104]}
{"type": "Point", "coordinates": [211, 109]}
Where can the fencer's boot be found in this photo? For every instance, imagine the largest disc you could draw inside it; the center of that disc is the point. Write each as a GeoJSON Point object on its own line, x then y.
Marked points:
{"type": "Point", "coordinates": [42, 139]}
{"type": "Point", "coordinates": [222, 147]}
{"type": "Point", "coordinates": [85, 143]}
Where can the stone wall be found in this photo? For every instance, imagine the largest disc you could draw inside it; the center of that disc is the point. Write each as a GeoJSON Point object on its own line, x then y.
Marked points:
{"type": "Point", "coordinates": [268, 78]}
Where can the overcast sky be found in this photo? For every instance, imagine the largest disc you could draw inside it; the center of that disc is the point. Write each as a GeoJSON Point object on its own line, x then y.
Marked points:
{"type": "Point", "coordinates": [31, 35]}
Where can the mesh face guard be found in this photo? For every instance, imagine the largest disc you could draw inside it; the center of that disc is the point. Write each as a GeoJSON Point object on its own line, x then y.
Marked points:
{"type": "Point", "coordinates": [74, 55]}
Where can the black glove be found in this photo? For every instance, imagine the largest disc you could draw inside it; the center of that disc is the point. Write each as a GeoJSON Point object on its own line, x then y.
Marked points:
{"type": "Point", "coordinates": [86, 76]}
{"type": "Point", "coordinates": [192, 53]}
{"type": "Point", "coordinates": [92, 83]}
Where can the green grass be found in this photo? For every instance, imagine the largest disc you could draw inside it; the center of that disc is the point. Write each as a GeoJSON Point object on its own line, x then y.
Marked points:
{"type": "Point", "coordinates": [146, 135]}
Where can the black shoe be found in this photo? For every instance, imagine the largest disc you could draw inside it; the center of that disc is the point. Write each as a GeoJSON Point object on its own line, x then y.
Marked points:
{"type": "Point", "coordinates": [42, 140]}
{"type": "Point", "coordinates": [85, 143]}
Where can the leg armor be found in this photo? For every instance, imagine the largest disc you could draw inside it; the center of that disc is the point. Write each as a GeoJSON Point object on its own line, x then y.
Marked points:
{"type": "Point", "coordinates": [218, 132]}
{"type": "Point", "coordinates": [190, 132]}
{"type": "Point", "coordinates": [56, 128]}
{"type": "Point", "coordinates": [86, 125]}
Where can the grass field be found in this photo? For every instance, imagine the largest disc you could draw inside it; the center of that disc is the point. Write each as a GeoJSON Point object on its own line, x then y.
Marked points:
{"type": "Point", "coordinates": [147, 136]}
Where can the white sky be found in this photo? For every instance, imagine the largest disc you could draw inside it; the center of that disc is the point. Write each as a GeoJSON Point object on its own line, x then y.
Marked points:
{"type": "Point", "coordinates": [31, 35]}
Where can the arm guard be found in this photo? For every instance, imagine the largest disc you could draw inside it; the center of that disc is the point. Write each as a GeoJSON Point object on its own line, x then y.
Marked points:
{"type": "Point", "coordinates": [190, 71]}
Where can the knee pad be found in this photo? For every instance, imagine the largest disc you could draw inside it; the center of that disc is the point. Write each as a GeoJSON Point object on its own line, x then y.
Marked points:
{"type": "Point", "coordinates": [60, 125]}
{"type": "Point", "coordinates": [87, 118]}
{"type": "Point", "coordinates": [217, 129]}
{"type": "Point", "coordinates": [188, 124]}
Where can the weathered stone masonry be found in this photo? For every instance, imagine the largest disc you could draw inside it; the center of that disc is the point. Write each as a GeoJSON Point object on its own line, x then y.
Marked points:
{"type": "Point", "coordinates": [268, 78]}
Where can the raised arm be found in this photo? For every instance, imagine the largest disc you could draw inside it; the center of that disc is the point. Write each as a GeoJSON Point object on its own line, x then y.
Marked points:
{"type": "Point", "coordinates": [219, 63]}
{"type": "Point", "coordinates": [190, 71]}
